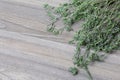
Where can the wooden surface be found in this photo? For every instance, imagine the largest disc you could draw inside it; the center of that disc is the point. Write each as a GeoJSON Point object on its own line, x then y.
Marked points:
{"type": "Point", "coordinates": [29, 52]}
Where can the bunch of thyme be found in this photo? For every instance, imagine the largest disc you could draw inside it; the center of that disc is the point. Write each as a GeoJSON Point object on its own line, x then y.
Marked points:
{"type": "Point", "coordinates": [100, 31]}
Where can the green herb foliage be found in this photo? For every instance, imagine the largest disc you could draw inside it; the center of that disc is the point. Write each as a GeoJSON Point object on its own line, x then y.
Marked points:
{"type": "Point", "coordinates": [100, 31]}
{"type": "Point", "coordinates": [73, 70]}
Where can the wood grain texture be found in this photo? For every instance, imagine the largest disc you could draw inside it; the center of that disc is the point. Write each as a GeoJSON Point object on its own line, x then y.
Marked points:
{"type": "Point", "coordinates": [29, 52]}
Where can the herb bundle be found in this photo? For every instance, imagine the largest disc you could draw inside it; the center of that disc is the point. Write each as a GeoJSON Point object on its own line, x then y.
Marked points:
{"type": "Point", "coordinates": [99, 32]}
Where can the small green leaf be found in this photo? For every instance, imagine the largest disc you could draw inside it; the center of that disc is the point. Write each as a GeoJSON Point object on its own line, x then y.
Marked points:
{"type": "Point", "coordinates": [73, 70]}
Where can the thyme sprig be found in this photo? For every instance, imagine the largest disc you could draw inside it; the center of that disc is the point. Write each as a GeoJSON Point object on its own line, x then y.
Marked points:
{"type": "Point", "coordinates": [100, 31]}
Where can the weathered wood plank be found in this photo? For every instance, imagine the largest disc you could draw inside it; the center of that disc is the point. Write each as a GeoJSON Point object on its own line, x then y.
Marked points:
{"type": "Point", "coordinates": [36, 2]}
{"type": "Point", "coordinates": [29, 52]}
{"type": "Point", "coordinates": [27, 19]}
{"type": "Point", "coordinates": [52, 53]}
{"type": "Point", "coordinates": [19, 66]}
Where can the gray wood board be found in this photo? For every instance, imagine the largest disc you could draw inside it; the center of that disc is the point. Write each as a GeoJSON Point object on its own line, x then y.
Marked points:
{"type": "Point", "coordinates": [29, 52]}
